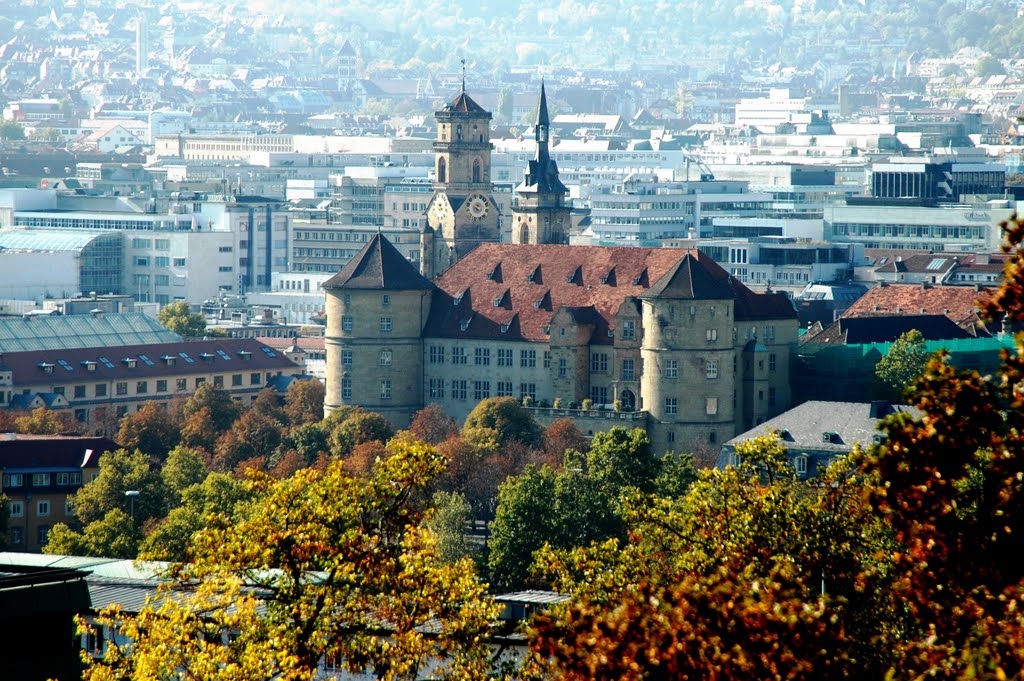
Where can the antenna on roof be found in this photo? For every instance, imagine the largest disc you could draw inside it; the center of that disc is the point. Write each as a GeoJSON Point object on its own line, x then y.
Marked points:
{"type": "Point", "coordinates": [463, 75]}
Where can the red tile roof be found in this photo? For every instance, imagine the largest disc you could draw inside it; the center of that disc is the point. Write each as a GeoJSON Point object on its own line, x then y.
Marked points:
{"type": "Point", "coordinates": [959, 303]}
{"type": "Point", "coordinates": [512, 291]}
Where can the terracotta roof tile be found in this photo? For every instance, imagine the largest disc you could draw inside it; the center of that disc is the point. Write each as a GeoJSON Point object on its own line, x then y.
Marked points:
{"type": "Point", "coordinates": [512, 291]}
{"type": "Point", "coordinates": [959, 303]}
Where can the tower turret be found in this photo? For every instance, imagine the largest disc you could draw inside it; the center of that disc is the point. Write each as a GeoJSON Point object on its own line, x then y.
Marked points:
{"type": "Point", "coordinates": [541, 215]}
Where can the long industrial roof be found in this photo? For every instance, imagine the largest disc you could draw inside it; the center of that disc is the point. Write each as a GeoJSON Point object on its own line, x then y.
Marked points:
{"type": "Point", "coordinates": [21, 334]}
{"type": "Point", "coordinates": [48, 240]}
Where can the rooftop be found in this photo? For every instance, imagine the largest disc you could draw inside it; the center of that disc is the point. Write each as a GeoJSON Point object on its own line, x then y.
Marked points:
{"type": "Point", "coordinates": [56, 332]}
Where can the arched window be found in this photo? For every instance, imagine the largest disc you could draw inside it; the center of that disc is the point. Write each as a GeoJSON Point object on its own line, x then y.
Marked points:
{"type": "Point", "coordinates": [524, 234]}
{"type": "Point", "coordinates": [442, 170]}
{"type": "Point", "coordinates": [476, 170]}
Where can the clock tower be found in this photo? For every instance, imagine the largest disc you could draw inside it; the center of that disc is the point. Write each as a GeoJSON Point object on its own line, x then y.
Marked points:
{"type": "Point", "coordinates": [462, 213]}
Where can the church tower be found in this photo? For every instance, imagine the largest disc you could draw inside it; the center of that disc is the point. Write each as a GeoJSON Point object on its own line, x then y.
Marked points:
{"type": "Point", "coordinates": [462, 213]}
{"type": "Point", "coordinates": [541, 215]}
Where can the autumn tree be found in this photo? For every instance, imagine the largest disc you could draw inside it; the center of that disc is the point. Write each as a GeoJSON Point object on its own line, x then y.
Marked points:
{"type": "Point", "coordinates": [222, 411]}
{"type": "Point", "coordinates": [905, 361]}
{"type": "Point", "coordinates": [378, 582]}
{"type": "Point", "coordinates": [179, 318]}
{"type": "Point", "coordinates": [358, 426]}
{"type": "Point", "coordinates": [152, 429]}
{"type": "Point", "coordinates": [304, 402]}
{"type": "Point", "coordinates": [432, 425]}
{"type": "Point", "coordinates": [308, 441]}
{"type": "Point", "coordinates": [560, 437]}
{"type": "Point", "coordinates": [254, 436]}
{"type": "Point", "coordinates": [43, 421]}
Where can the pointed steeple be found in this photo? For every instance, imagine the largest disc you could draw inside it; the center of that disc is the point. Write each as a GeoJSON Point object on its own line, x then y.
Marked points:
{"type": "Point", "coordinates": [543, 124]}
{"type": "Point", "coordinates": [378, 266]}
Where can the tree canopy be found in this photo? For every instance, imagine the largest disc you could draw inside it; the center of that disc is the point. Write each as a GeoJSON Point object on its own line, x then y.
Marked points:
{"type": "Point", "coordinates": [179, 318]}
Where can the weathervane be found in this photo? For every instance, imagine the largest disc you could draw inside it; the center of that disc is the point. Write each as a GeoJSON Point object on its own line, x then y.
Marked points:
{"type": "Point", "coordinates": [463, 76]}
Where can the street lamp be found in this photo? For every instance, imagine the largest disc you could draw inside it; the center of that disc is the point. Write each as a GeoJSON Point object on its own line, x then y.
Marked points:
{"type": "Point", "coordinates": [131, 494]}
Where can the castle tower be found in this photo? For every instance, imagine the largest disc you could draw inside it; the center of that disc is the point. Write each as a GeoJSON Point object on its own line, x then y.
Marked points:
{"type": "Point", "coordinates": [687, 353]}
{"type": "Point", "coordinates": [462, 213]}
{"type": "Point", "coordinates": [541, 215]}
{"type": "Point", "coordinates": [376, 308]}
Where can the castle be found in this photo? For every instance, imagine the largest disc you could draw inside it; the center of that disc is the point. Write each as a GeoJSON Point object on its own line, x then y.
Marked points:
{"type": "Point", "coordinates": [666, 336]}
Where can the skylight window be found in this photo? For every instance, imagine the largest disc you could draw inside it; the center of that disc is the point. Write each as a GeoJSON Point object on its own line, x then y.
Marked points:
{"type": "Point", "coordinates": [937, 264]}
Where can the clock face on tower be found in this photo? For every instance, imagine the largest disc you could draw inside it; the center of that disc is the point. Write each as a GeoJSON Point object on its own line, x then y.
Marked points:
{"type": "Point", "coordinates": [477, 206]}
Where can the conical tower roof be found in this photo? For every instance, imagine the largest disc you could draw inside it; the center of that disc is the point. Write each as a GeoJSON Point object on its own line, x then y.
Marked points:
{"type": "Point", "coordinates": [378, 266]}
{"type": "Point", "coordinates": [691, 279]}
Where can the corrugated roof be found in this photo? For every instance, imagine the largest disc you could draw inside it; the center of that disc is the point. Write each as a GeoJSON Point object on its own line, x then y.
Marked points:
{"type": "Point", "coordinates": [56, 332]}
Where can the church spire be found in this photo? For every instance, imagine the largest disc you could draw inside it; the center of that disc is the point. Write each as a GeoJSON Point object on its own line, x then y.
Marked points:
{"type": "Point", "coordinates": [541, 127]}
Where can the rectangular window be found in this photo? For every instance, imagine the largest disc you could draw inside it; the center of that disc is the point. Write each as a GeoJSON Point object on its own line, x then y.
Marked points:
{"type": "Point", "coordinates": [459, 389]}
{"type": "Point", "coordinates": [504, 389]}
{"type": "Point", "coordinates": [599, 362]}
{"type": "Point", "coordinates": [163, 280]}
{"type": "Point", "coordinates": [800, 465]}
{"type": "Point", "coordinates": [17, 509]}
{"type": "Point", "coordinates": [13, 480]}
{"type": "Point", "coordinates": [140, 261]}
{"type": "Point", "coordinates": [181, 384]}
{"type": "Point", "coordinates": [504, 357]}
{"type": "Point", "coordinates": [142, 387]}
{"type": "Point", "coordinates": [346, 358]}
{"type": "Point", "coordinates": [218, 381]}
{"type": "Point", "coordinates": [769, 332]}
{"type": "Point", "coordinates": [628, 329]}
{"type": "Point", "coordinates": [254, 379]}
{"type": "Point", "coordinates": [436, 388]}
{"type": "Point", "coordinates": [711, 406]}
{"type": "Point", "coordinates": [482, 357]}
{"type": "Point", "coordinates": [43, 509]}
{"type": "Point", "coordinates": [628, 371]}
{"type": "Point", "coordinates": [563, 367]}
{"type": "Point", "coordinates": [771, 397]}
{"type": "Point", "coordinates": [346, 388]}
{"type": "Point", "coordinates": [161, 385]}
{"type": "Point", "coordinates": [40, 479]}
{"type": "Point", "coordinates": [101, 390]}
{"type": "Point", "coordinates": [527, 359]}
{"type": "Point", "coordinates": [385, 388]}
{"type": "Point", "coordinates": [69, 479]}
{"type": "Point", "coordinates": [179, 262]}
{"type": "Point", "coordinates": [163, 244]}
{"type": "Point", "coordinates": [672, 368]}
{"type": "Point", "coordinates": [437, 354]}
{"type": "Point", "coordinates": [671, 406]}
{"type": "Point", "coordinates": [528, 390]}
{"type": "Point", "coordinates": [43, 533]}
{"type": "Point", "coordinates": [200, 381]}
{"type": "Point", "coordinates": [385, 299]}
{"type": "Point", "coordinates": [481, 390]}
{"type": "Point", "coordinates": [599, 394]}
{"type": "Point", "coordinates": [385, 324]}
{"type": "Point", "coordinates": [711, 368]}
{"type": "Point", "coordinates": [771, 362]}
{"type": "Point", "coordinates": [346, 323]}
{"type": "Point", "coordinates": [459, 355]}
{"type": "Point", "coordinates": [236, 380]}
{"type": "Point", "coordinates": [712, 335]}
{"type": "Point", "coordinates": [385, 358]}
{"type": "Point", "coordinates": [79, 391]}
{"type": "Point", "coordinates": [121, 388]}
{"type": "Point", "coordinates": [547, 359]}
{"type": "Point", "coordinates": [163, 261]}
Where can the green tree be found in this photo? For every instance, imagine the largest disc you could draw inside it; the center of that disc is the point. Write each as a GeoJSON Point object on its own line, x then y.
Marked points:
{"type": "Point", "coordinates": [182, 469]}
{"type": "Point", "coordinates": [449, 521]}
{"type": "Point", "coordinates": [112, 536]}
{"type": "Point", "coordinates": [120, 472]}
{"type": "Point", "coordinates": [507, 419]}
{"type": "Point", "coordinates": [11, 131]}
{"type": "Point", "coordinates": [179, 318]}
{"type": "Point", "coordinates": [905, 361]}
{"type": "Point", "coordinates": [522, 524]}
{"type": "Point", "coordinates": [152, 430]}
{"type": "Point", "coordinates": [379, 581]}
{"type": "Point", "coordinates": [309, 441]}
{"type": "Point", "coordinates": [216, 496]}
{"type": "Point", "coordinates": [622, 458]}
{"type": "Point", "coordinates": [988, 66]}
{"type": "Point", "coordinates": [359, 427]}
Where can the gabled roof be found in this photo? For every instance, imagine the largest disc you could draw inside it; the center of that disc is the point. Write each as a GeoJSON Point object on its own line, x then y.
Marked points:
{"type": "Point", "coordinates": [885, 329]}
{"type": "Point", "coordinates": [378, 266]}
{"type": "Point", "coordinates": [959, 303]}
{"type": "Point", "coordinates": [53, 451]}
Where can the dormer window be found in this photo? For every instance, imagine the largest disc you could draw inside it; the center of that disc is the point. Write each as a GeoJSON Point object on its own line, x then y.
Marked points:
{"type": "Point", "coordinates": [464, 324]}
{"type": "Point", "coordinates": [546, 329]}
{"type": "Point", "coordinates": [497, 300]}
{"type": "Point", "coordinates": [245, 354]}
{"type": "Point", "coordinates": [89, 365]}
{"type": "Point", "coordinates": [504, 328]}
{"type": "Point", "coordinates": [46, 367]}
{"type": "Point", "coordinates": [206, 357]}
{"type": "Point", "coordinates": [130, 362]}
{"type": "Point", "coordinates": [169, 360]}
